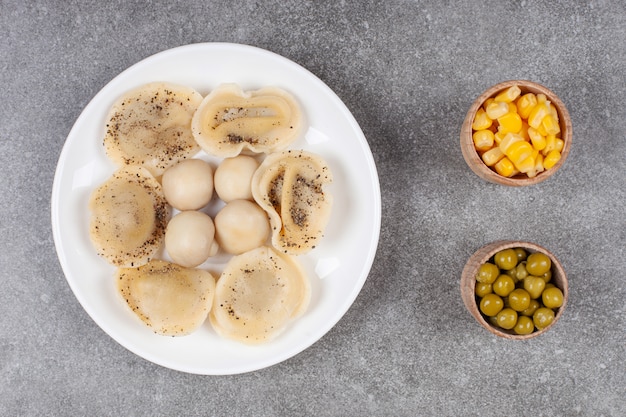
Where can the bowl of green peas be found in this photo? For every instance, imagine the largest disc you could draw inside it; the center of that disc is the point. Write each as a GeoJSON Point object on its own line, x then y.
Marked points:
{"type": "Point", "coordinates": [515, 289]}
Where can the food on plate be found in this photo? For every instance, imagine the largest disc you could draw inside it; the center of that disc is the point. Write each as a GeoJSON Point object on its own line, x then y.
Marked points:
{"type": "Point", "coordinates": [518, 133]}
{"type": "Point", "coordinates": [289, 186]}
{"type": "Point", "coordinates": [129, 215]}
{"type": "Point", "coordinates": [233, 177]}
{"type": "Point", "coordinates": [170, 299]}
{"type": "Point", "coordinates": [241, 225]}
{"type": "Point", "coordinates": [520, 298]}
{"type": "Point", "coordinates": [189, 238]}
{"type": "Point", "coordinates": [257, 295]}
{"type": "Point", "coordinates": [230, 120]}
{"type": "Point", "coordinates": [188, 185]}
{"type": "Point", "coordinates": [151, 126]}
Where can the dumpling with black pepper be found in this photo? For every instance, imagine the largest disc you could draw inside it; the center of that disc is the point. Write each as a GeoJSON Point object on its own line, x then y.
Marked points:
{"type": "Point", "coordinates": [230, 120]}
{"type": "Point", "coordinates": [151, 126]}
{"type": "Point", "coordinates": [289, 186]}
{"type": "Point", "coordinates": [257, 295]}
{"type": "Point", "coordinates": [170, 299]}
{"type": "Point", "coordinates": [129, 215]}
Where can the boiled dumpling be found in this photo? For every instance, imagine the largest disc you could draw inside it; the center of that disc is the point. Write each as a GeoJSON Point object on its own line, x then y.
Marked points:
{"type": "Point", "coordinates": [240, 226]}
{"type": "Point", "coordinates": [188, 185]}
{"type": "Point", "coordinates": [189, 238]}
{"type": "Point", "coordinates": [151, 126]}
{"type": "Point", "coordinates": [289, 186]}
{"type": "Point", "coordinates": [230, 120]}
{"type": "Point", "coordinates": [257, 295]}
{"type": "Point", "coordinates": [129, 215]}
{"type": "Point", "coordinates": [171, 299]}
{"type": "Point", "coordinates": [233, 178]}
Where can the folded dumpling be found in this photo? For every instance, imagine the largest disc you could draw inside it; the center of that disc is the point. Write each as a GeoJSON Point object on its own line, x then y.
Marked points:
{"type": "Point", "coordinates": [171, 299]}
{"type": "Point", "coordinates": [289, 186]}
{"type": "Point", "coordinates": [230, 120]}
{"type": "Point", "coordinates": [257, 295]}
{"type": "Point", "coordinates": [129, 215]}
{"type": "Point", "coordinates": [151, 126]}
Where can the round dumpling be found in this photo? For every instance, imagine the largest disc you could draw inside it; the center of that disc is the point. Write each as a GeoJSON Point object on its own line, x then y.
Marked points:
{"type": "Point", "coordinates": [129, 215]}
{"type": "Point", "coordinates": [257, 295]}
{"type": "Point", "coordinates": [240, 226]}
{"type": "Point", "coordinates": [188, 185]}
{"type": "Point", "coordinates": [151, 126]}
{"type": "Point", "coordinates": [189, 238]}
{"type": "Point", "coordinates": [289, 186]}
{"type": "Point", "coordinates": [233, 177]}
{"type": "Point", "coordinates": [171, 299]}
{"type": "Point", "coordinates": [230, 120]}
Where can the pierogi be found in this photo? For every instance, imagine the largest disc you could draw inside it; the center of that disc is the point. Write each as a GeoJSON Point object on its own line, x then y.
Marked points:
{"type": "Point", "coordinates": [170, 299]}
{"type": "Point", "coordinates": [151, 126]}
{"type": "Point", "coordinates": [257, 295]}
{"type": "Point", "coordinates": [230, 120]}
{"type": "Point", "coordinates": [289, 186]}
{"type": "Point", "coordinates": [129, 215]}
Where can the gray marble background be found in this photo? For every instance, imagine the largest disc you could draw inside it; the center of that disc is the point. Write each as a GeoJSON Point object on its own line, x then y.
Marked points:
{"type": "Point", "coordinates": [408, 70]}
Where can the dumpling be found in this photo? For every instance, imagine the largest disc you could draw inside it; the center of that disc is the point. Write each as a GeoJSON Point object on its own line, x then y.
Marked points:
{"type": "Point", "coordinates": [240, 226]}
{"type": "Point", "coordinates": [257, 295]}
{"type": "Point", "coordinates": [129, 215]}
{"type": "Point", "coordinates": [233, 177]}
{"type": "Point", "coordinates": [151, 126]}
{"type": "Point", "coordinates": [171, 299]}
{"type": "Point", "coordinates": [289, 186]}
{"type": "Point", "coordinates": [230, 120]}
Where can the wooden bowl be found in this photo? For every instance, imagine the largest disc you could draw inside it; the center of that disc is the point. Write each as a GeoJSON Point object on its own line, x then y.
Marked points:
{"type": "Point", "coordinates": [482, 255]}
{"type": "Point", "coordinates": [471, 156]}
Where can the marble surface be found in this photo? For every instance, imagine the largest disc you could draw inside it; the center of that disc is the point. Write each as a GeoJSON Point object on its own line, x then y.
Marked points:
{"type": "Point", "coordinates": [408, 71]}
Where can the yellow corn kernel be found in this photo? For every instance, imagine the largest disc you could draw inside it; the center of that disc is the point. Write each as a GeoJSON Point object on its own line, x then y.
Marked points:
{"type": "Point", "coordinates": [541, 98]}
{"type": "Point", "coordinates": [537, 139]}
{"type": "Point", "coordinates": [498, 136]}
{"type": "Point", "coordinates": [554, 112]}
{"type": "Point", "coordinates": [551, 125]}
{"type": "Point", "coordinates": [512, 107]}
{"type": "Point", "coordinates": [488, 102]}
{"type": "Point", "coordinates": [510, 123]}
{"type": "Point", "coordinates": [539, 163]}
{"type": "Point", "coordinates": [492, 156]}
{"type": "Point", "coordinates": [526, 165]}
{"type": "Point", "coordinates": [481, 120]}
{"type": "Point", "coordinates": [537, 114]}
{"type": "Point", "coordinates": [483, 140]}
{"type": "Point", "coordinates": [496, 109]}
{"type": "Point", "coordinates": [505, 167]}
{"type": "Point", "coordinates": [509, 95]}
{"type": "Point", "coordinates": [518, 152]}
{"type": "Point", "coordinates": [524, 131]}
{"type": "Point", "coordinates": [508, 140]}
{"type": "Point", "coordinates": [559, 144]}
{"type": "Point", "coordinates": [551, 159]}
{"type": "Point", "coordinates": [525, 104]}
{"type": "Point", "coordinates": [550, 145]}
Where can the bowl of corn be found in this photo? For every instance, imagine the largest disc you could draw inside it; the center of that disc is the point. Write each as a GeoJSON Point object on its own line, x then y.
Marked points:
{"type": "Point", "coordinates": [521, 300]}
{"type": "Point", "coordinates": [516, 133]}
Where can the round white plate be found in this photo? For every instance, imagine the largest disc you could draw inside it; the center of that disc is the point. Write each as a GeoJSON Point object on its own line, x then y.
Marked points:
{"type": "Point", "coordinates": [337, 268]}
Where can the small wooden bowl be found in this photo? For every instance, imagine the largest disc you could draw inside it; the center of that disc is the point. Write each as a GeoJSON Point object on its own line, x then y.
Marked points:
{"type": "Point", "coordinates": [468, 284]}
{"type": "Point", "coordinates": [472, 158]}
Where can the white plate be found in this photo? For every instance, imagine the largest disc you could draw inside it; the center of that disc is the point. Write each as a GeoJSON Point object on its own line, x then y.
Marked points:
{"type": "Point", "coordinates": [338, 267]}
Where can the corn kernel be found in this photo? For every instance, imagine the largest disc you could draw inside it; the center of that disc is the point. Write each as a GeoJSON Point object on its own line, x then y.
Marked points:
{"type": "Point", "coordinates": [537, 139]}
{"type": "Point", "coordinates": [510, 122]}
{"type": "Point", "coordinates": [518, 152]}
{"type": "Point", "coordinates": [524, 131]}
{"type": "Point", "coordinates": [509, 95]}
{"type": "Point", "coordinates": [505, 167]}
{"type": "Point", "coordinates": [498, 136]}
{"type": "Point", "coordinates": [539, 163]}
{"type": "Point", "coordinates": [496, 109]}
{"type": "Point", "coordinates": [488, 102]}
{"type": "Point", "coordinates": [537, 114]}
{"type": "Point", "coordinates": [526, 165]}
{"type": "Point", "coordinates": [554, 112]}
{"type": "Point", "coordinates": [525, 104]}
{"type": "Point", "coordinates": [541, 98]}
{"type": "Point", "coordinates": [559, 144]}
{"type": "Point", "coordinates": [481, 120]}
{"type": "Point", "coordinates": [551, 125]}
{"type": "Point", "coordinates": [508, 140]}
{"type": "Point", "coordinates": [551, 159]}
{"type": "Point", "coordinates": [483, 140]}
{"type": "Point", "coordinates": [492, 156]}
{"type": "Point", "coordinates": [550, 145]}
{"type": "Point", "coordinates": [512, 107]}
